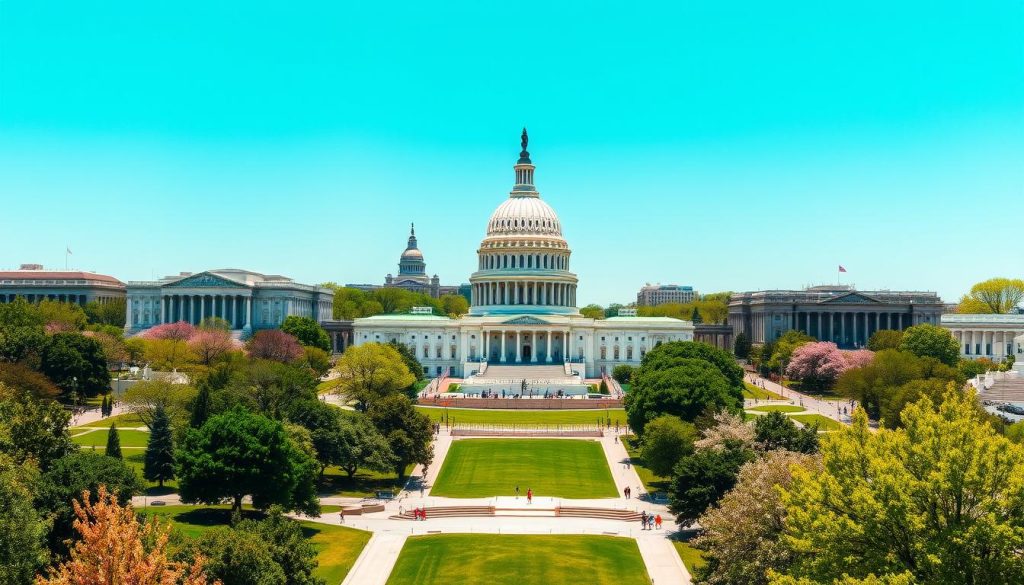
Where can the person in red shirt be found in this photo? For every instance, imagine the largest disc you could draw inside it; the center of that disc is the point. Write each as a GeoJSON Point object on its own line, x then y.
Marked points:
{"type": "Point", "coordinates": [529, 496]}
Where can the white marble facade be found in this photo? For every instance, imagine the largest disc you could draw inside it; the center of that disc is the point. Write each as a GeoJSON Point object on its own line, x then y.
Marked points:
{"type": "Point", "coordinates": [990, 336]}
{"type": "Point", "coordinates": [523, 308]}
{"type": "Point", "coordinates": [246, 300]}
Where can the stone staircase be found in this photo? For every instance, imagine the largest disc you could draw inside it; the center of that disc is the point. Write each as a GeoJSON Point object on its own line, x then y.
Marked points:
{"type": "Point", "coordinates": [529, 372]}
{"type": "Point", "coordinates": [448, 512]}
{"type": "Point", "coordinates": [560, 511]}
{"type": "Point", "coordinates": [602, 513]}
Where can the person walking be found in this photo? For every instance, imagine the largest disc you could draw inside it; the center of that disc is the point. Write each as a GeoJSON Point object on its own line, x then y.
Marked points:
{"type": "Point", "coordinates": [643, 520]}
{"type": "Point", "coordinates": [517, 492]}
{"type": "Point", "coordinates": [529, 495]}
{"type": "Point", "coordinates": [657, 521]}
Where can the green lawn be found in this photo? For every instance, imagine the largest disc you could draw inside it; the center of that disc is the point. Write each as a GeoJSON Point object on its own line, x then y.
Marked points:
{"type": "Point", "coordinates": [361, 485]}
{"type": "Point", "coordinates": [326, 387]}
{"type": "Point", "coordinates": [492, 559]}
{"type": "Point", "coordinates": [337, 546]}
{"type": "Point", "coordinates": [692, 558]}
{"type": "Point", "coordinates": [751, 391]}
{"type": "Point", "coordinates": [128, 420]}
{"type": "Point", "coordinates": [99, 438]}
{"type": "Point", "coordinates": [824, 423]}
{"type": "Point", "coordinates": [778, 408]}
{"type": "Point", "coordinates": [652, 483]}
{"type": "Point", "coordinates": [526, 417]}
{"type": "Point", "coordinates": [566, 468]}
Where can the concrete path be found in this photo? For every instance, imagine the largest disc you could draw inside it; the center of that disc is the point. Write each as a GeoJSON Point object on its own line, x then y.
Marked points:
{"type": "Point", "coordinates": [93, 415]}
{"type": "Point", "coordinates": [826, 407]}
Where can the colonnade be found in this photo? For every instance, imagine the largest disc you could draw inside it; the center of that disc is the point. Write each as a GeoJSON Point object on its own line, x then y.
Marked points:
{"type": "Point", "coordinates": [64, 298]}
{"type": "Point", "coordinates": [235, 309]}
{"type": "Point", "coordinates": [527, 346]}
{"type": "Point", "coordinates": [557, 294]}
{"type": "Point", "coordinates": [993, 344]}
{"type": "Point", "coordinates": [524, 261]}
{"type": "Point", "coordinates": [846, 328]}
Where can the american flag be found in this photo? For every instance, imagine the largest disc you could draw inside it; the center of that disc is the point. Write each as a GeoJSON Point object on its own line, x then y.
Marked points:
{"type": "Point", "coordinates": [841, 269]}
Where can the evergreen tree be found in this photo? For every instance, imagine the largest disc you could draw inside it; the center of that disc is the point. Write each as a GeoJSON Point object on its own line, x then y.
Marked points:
{"type": "Point", "coordinates": [201, 407]}
{"type": "Point", "coordinates": [159, 460]}
{"type": "Point", "coordinates": [742, 346]}
{"type": "Point", "coordinates": [695, 317]}
{"type": "Point", "coordinates": [113, 443]}
{"type": "Point", "coordinates": [103, 406]}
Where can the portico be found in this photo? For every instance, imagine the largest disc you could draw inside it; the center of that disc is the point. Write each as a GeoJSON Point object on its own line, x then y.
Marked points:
{"type": "Point", "coordinates": [988, 336]}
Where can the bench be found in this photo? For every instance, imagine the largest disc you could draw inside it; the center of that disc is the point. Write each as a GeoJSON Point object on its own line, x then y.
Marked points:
{"type": "Point", "coordinates": [386, 496]}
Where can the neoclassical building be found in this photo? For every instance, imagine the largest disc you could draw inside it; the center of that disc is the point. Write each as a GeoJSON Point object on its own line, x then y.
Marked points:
{"type": "Point", "coordinates": [830, 313]}
{"type": "Point", "coordinates": [246, 300]}
{"type": "Point", "coordinates": [412, 273]}
{"type": "Point", "coordinates": [35, 284]}
{"type": "Point", "coordinates": [991, 336]}
{"type": "Point", "coordinates": [523, 307]}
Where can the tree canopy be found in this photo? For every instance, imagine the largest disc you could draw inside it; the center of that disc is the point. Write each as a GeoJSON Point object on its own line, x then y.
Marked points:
{"type": "Point", "coordinates": [407, 431]}
{"type": "Point", "coordinates": [307, 331]}
{"type": "Point", "coordinates": [370, 372]}
{"type": "Point", "coordinates": [76, 364]}
{"type": "Point", "coordinates": [995, 295]}
{"type": "Point", "coordinates": [927, 340]}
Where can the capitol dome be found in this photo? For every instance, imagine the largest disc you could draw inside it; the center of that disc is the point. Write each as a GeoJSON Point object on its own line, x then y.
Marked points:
{"type": "Point", "coordinates": [523, 262]}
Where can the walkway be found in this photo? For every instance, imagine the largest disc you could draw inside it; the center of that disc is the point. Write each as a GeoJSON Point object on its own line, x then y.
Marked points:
{"type": "Point", "coordinates": [826, 407]}
{"type": "Point", "coordinates": [375, 563]}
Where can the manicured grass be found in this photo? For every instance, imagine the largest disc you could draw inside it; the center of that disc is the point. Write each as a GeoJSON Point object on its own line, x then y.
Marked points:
{"type": "Point", "coordinates": [99, 438]}
{"type": "Point", "coordinates": [326, 387]}
{"type": "Point", "coordinates": [566, 468]}
{"type": "Point", "coordinates": [778, 408]}
{"type": "Point", "coordinates": [363, 484]}
{"type": "Point", "coordinates": [127, 420]}
{"type": "Point", "coordinates": [526, 417]}
{"type": "Point", "coordinates": [491, 559]}
{"type": "Point", "coordinates": [652, 482]}
{"type": "Point", "coordinates": [751, 391]}
{"type": "Point", "coordinates": [692, 558]}
{"type": "Point", "coordinates": [337, 546]}
{"type": "Point", "coordinates": [824, 423]}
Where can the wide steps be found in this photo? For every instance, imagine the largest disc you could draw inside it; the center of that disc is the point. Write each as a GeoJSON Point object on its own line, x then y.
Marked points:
{"type": "Point", "coordinates": [448, 512]}
{"type": "Point", "coordinates": [563, 511]}
{"type": "Point", "coordinates": [602, 513]}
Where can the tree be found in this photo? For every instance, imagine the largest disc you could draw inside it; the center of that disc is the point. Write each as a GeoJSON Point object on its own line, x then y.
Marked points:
{"type": "Point", "coordinates": [995, 295]}
{"type": "Point", "coordinates": [742, 537]}
{"type": "Point", "coordinates": [701, 479]}
{"type": "Point", "coordinates": [666, 440]}
{"type": "Point", "coordinates": [940, 500]}
{"type": "Point", "coordinates": [370, 372]}
{"type": "Point", "coordinates": [238, 557]}
{"type": "Point", "coordinates": [73, 474]}
{"type": "Point", "coordinates": [113, 448]}
{"type": "Point", "coordinates": [409, 358]}
{"type": "Point", "coordinates": [158, 463]}
{"type": "Point", "coordinates": [695, 317]}
{"type": "Point", "coordinates": [362, 446]}
{"type": "Point", "coordinates": [876, 385]}
{"type": "Point", "coordinates": [111, 312]}
{"type": "Point", "coordinates": [275, 345]}
{"type": "Point", "coordinates": [145, 397]}
{"type": "Point", "coordinates": [593, 311]}
{"type": "Point", "coordinates": [113, 547]}
{"type": "Point", "coordinates": [215, 323]}
{"type": "Point", "coordinates": [885, 339]}
{"type": "Point", "coordinates": [238, 454]}
{"type": "Point", "coordinates": [178, 331]}
{"type": "Point", "coordinates": [296, 554]}
{"type": "Point", "coordinates": [269, 387]}
{"type": "Point", "coordinates": [684, 379]}
{"type": "Point", "coordinates": [113, 347]}
{"type": "Point", "coordinates": [741, 346]}
{"type": "Point", "coordinates": [623, 373]}
{"type": "Point", "coordinates": [784, 346]}
{"type": "Point", "coordinates": [62, 316]}
{"type": "Point", "coordinates": [76, 364]}
{"type": "Point", "coordinates": [169, 354]}
{"type": "Point", "coordinates": [927, 340]}
{"type": "Point", "coordinates": [317, 360]}
{"type": "Point", "coordinates": [22, 528]}
{"type": "Point", "coordinates": [407, 431]}
{"type": "Point", "coordinates": [22, 377]}
{"type": "Point", "coordinates": [210, 344]}
{"type": "Point", "coordinates": [32, 429]}
{"type": "Point", "coordinates": [777, 431]}
{"type": "Point", "coordinates": [307, 331]}
{"type": "Point", "coordinates": [200, 406]}
{"type": "Point", "coordinates": [817, 365]}
{"type": "Point", "coordinates": [454, 305]}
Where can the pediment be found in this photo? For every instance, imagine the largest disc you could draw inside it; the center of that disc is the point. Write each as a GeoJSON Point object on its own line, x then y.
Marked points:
{"type": "Point", "coordinates": [526, 320]}
{"type": "Point", "coordinates": [205, 280]}
{"type": "Point", "coordinates": [851, 298]}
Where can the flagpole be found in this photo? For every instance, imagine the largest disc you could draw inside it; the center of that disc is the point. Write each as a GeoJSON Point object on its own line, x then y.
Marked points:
{"type": "Point", "coordinates": [66, 248]}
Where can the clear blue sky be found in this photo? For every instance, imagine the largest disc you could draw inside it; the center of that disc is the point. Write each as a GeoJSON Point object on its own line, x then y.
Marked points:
{"type": "Point", "coordinates": [731, 146]}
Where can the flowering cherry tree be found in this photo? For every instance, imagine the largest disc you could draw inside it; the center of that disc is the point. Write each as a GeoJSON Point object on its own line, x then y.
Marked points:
{"type": "Point", "coordinates": [858, 358]}
{"type": "Point", "coordinates": [817, 365]}
{"type": "Point", "coordinates": [274, 344]}
{"type": "Point", "coordinates": [210, 344]}
{"type": "Point", "coordinates": [179, 331]}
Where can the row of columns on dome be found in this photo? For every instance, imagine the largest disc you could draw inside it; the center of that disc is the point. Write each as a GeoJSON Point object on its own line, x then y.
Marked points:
{"type": "Point", "coordinates": [524, 261]}
{"type": "Point", "coordinates": [847, 329]}
{"type": "Point", "coordinates": [558, 294]}
{"type": "Point", "coordinates": [996, 345]}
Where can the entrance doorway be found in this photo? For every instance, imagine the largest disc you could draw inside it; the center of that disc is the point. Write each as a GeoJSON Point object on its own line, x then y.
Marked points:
{"type": "Point", "coordinates": [526, 353]}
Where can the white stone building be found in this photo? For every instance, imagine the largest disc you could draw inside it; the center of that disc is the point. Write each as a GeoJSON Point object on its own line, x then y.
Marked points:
{"type": "Point", "coordinates": [990, 336]}
{"type": "Point", "coordinates": [523, 308]}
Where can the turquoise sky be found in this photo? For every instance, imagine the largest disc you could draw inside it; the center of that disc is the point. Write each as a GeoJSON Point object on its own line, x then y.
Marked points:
{"type": "Point", "coordinates": [726, 145]}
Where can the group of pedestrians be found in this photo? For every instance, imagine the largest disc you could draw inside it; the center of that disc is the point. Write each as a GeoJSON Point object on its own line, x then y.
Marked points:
{"type": "Point", "coordinates": [650, 521]}
{"type": "Point", "coordinates": [529, 495]}
{"type": "Point", "coordinates": [419, 513]}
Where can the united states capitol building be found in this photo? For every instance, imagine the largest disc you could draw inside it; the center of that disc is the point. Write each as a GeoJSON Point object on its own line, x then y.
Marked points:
{"type": "Point", "coordinates": [523, 308]}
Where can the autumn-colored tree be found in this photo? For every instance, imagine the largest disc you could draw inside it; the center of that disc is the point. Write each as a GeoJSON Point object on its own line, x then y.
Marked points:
{"type": "Point", "coordinates": [209, 344]}
{"type": "Point", "coordinates": [180, 331]}
{"type": "Point", "coordinates": [276, 345]}
{"type": "Point", "coordinates": [114, 547]}
{"type": "Point", "coordinates": [995, 295]}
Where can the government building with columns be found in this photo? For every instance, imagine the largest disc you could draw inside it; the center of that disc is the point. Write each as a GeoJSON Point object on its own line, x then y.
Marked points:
{"type": "Point", "coordinates": [835, 313]}
{"type": "Point", "coordinates": [246, 300]}
{"type": "Point", "coordinates": [995, 337]}
{"type": "Point", "coordinates": [34, 284]}
{"type": "Point", "coordinates": [523, 309]}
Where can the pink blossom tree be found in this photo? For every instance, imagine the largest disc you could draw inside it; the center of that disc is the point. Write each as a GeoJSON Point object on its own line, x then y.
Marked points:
{"type": "Point", "coordinates": [858, 358]}
{"type": "Point", "coordinates": [209, 345]}
{"type": "Point", "coordinates": [179, 331]}
{"type": "Point", "coordinates": [817, 365]}
{"type": "Point", "coordinates": [274, 344]}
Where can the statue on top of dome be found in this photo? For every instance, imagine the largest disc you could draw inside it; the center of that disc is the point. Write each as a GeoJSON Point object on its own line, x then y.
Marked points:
{"type": "Point", "coordinates": [524, 156]}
